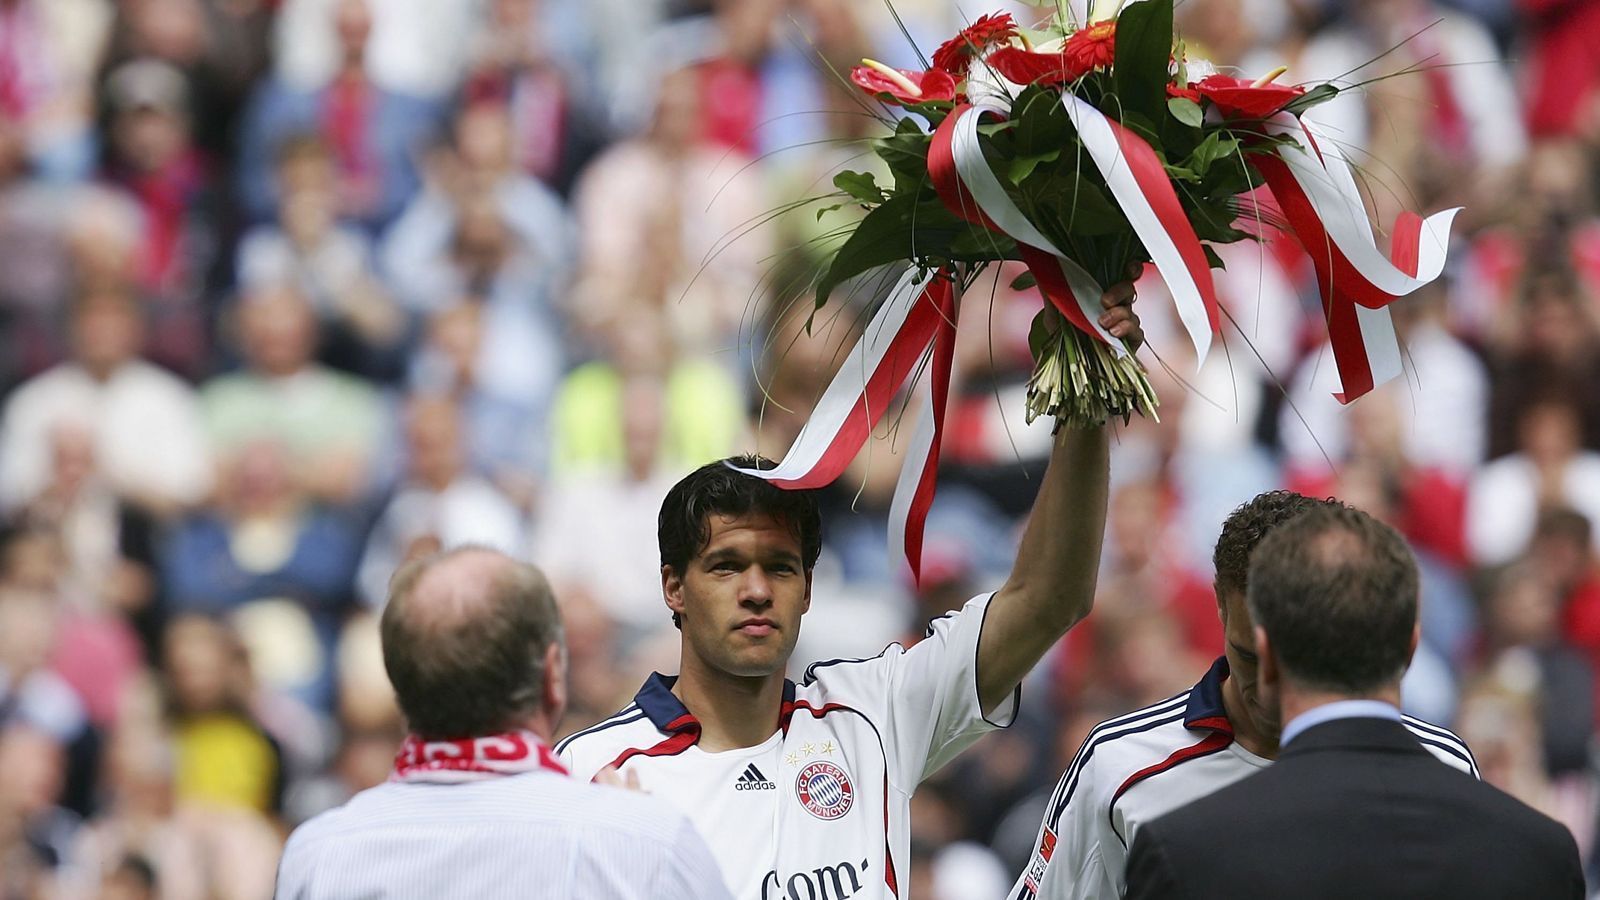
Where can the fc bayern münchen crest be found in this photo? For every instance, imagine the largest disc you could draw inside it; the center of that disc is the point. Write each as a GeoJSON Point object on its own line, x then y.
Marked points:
{"type": "Point", "coordinates": [825, 790]}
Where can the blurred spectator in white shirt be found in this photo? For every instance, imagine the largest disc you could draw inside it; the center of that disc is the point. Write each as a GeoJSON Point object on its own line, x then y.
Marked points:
{"type": "Point", "coordinates": [149, 437]}
{"type": "Point", "coordinates": [418, 47]}
{"type": "Point", "coordinates": [596, 532]}
{"type": "Point", "coordinates": [1444, 394]}
{"type": "Point", "coordinates": [49, 50]}
{"type": "Point", "coordinates": [1549, 469]}
{"type": "Point", "coordinates": [441, 504]}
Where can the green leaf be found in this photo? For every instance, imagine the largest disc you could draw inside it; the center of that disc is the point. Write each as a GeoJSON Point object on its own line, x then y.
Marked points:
{"type": "Point", "coordinates": [828, 209]}
{"type": "Point", "coordinates": [1213, 258]}
{"type": "Point", "coordinates": [1144, 47]}
{"type": "Point", "coordinates": [1322, 93]}
{"type": "Point", "coordinates": [1078, 204]}
{"type": "Point", "coordinates": [860, 185]}
{"type": "Point", "coordinates": [1024, 282]}
{"type": "Point", "coordinates": [1186, 111]}
{"type": "Point", "coordinates": [990, 129]}
{"type": "Point", "coordinates": [1180, 173]}
{"type": "Point", "coordinates": [1215, 147]}
{"type": "Point", "coordinates": [905, 230]}
{"type": "Point", "coordinates": [1023, 166]}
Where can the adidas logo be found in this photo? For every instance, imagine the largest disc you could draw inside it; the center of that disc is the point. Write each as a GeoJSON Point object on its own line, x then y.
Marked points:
{"type": "Point", "coordinates": [753, 780]}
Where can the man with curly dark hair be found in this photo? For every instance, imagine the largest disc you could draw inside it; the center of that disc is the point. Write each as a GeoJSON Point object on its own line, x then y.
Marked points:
{"type": "Point", "coordinates": [1134, 768]}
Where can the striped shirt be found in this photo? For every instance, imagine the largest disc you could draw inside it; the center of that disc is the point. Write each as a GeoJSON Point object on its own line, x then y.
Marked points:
{"type": "Point", "coordinates": [539, 834]}
{"type": "Point", "coordinates": [1135, 768]}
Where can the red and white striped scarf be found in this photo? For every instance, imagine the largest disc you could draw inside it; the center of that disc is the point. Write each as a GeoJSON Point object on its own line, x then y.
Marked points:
{"type": "Point", "coordinates": [473, 759]}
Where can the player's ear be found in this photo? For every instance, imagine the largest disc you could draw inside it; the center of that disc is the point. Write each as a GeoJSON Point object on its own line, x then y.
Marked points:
{"type": "Point", "coordinates": [1416, 638]}
{"type": "Point", "coordinates": [1267, 674]}
{"type": "Point", "coordinates": [555, 683]}
{"type": "Point", "coordinates": [807, 608]}
{"type": "Point", "coordinates": [672, 589]}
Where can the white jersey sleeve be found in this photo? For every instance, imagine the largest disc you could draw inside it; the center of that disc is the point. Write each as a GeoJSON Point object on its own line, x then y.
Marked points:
{"type": "Point", "coordinates": [923, 701]}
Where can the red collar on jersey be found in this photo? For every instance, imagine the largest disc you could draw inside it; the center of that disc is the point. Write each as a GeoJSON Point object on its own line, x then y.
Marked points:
{"type": "Point", "coordinates": [1205, 709]}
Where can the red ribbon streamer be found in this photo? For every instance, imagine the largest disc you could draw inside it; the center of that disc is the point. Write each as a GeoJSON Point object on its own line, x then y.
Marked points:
{"type": "Point", "coordinates": [1340, 284]}
{"type": "Point", "coordinates": [944, 349]}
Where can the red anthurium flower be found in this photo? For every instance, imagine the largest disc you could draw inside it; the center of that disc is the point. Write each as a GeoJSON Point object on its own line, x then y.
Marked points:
{"type": "Point", "coordinates": [904, 86]}
{"type": "Point", "coordinates": [1092, 48]}
{"type": "Point", "coordinates": [956, 54]}
{"type": "Point", "coordinates": [1025, 67]}
{"type": "Point", "coordinates": [1241, 99]}
{"type": "Point", "coordinates": [1187, 93]}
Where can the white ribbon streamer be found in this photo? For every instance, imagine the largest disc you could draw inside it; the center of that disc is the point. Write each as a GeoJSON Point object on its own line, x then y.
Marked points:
{"type": "Point", "coordinates": [849, 384]}
{"type": "Point", "coordinates": [986, 190]}
{"type": "Point", "coordinates": [1101, 142]}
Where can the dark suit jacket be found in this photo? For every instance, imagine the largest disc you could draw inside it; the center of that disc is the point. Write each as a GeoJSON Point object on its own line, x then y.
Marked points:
{"type": "Point", "coordinates": [1355, 809]}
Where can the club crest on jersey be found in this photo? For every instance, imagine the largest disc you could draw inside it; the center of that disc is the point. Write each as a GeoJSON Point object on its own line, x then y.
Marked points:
{"type": "Point", "coordinates": [824, 790]}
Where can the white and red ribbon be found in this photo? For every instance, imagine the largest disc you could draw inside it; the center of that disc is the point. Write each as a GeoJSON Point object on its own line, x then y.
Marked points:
{"type": "Point", "coordinates": [921, 310]}
{"type": "Point", "coordinates": [1319, 197]}
{"type": "Point", "coordinates": [1317, 192]}
{"type": "Point", "coordinates": [1142, 189]}
{"type": "Point", "coordinates": [473, 759]}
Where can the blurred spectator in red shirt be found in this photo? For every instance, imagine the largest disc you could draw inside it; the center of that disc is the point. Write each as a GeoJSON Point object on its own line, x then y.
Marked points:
{"type": "Point", "coordinates": [1563, 69]}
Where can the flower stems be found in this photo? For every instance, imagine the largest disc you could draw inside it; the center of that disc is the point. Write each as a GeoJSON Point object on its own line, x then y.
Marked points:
{"type": "Point", "coordinates": [1083, 383]}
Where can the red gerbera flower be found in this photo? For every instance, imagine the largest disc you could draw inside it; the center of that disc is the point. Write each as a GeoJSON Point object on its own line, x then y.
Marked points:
{"type": "Point", "coordinates": [1241, 99]}
{"type": "Point", "coordinates": [908, 88]}
{"type": "Point", "coordinates": [956, 55]}
{"type": "Point", "coordinates": [1092, 48]}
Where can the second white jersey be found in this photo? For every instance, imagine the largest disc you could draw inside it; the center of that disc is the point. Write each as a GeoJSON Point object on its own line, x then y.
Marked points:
{"type": "Point", "coordinates": [821, 810]}
{"type": "Point", "coordinates": [1138, 767]}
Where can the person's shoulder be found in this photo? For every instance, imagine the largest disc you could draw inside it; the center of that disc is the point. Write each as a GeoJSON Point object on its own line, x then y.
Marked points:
{"type": "Point", "coordinates": [630, 814]}
{"type": "Point", "coordinates": [1444, 744]}
{"type": "Point", "coordinates": [1132, 742]}
{"type": "Point", "coordinates": [590, 749]}
{"type": "Point", "coordinates": [311, 834]}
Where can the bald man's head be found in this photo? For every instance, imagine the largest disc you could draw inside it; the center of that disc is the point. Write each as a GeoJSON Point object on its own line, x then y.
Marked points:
{"type": "Point", "coordinates": [472, 644]}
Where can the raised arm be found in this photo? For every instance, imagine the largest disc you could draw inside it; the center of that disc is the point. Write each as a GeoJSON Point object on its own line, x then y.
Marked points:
{"type": "Point", "coordinates": [1052, 583]}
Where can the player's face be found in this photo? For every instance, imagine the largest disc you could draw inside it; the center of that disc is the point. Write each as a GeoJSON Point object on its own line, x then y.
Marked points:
{"type": "Point", "coordinates": [742, 597]}
{"type": "Point", "coordinates": [1239, 634]}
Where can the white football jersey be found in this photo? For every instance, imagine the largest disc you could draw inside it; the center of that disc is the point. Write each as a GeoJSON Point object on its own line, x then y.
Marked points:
{"type": "Point", "coordinates": [1141, 766]}
{"type": "Point", "coordinates": [820, 810]}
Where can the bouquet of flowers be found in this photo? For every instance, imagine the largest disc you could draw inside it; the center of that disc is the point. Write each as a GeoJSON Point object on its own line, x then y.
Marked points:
{"type": "Point", "coordinates": [1081, 151]}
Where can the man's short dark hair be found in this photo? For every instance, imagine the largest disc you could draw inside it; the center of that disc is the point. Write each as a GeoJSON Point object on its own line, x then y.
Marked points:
{"type": "Point", "coordinates": [1336, 592]}
{"type": "Point", "coordinates": [476, 669]}
{"type": "Point", "coordinates": [1245, 528]}
{"type": "Point", "coordinates": [684, 528]}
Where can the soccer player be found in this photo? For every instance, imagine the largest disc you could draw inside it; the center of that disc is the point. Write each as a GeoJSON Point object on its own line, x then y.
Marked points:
{"type": "Point", "coordinates": [803, 790]}
{"type": "Point", "coordinates": [1137, 767]}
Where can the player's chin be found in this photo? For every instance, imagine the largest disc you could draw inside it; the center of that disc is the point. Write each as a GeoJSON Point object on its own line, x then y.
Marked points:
{"type": "Point", "coordinates": [757, 661]}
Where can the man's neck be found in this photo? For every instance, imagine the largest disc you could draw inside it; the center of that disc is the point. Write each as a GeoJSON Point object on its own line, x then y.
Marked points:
{"type": "Point", "coordinates": [1245, 731]}
{"type": "Point", "coordinates": [734, 711]}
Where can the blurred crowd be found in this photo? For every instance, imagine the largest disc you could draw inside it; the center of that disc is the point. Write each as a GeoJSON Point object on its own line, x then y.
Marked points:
{"type": "Point", "coordinates": [294, 290]}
